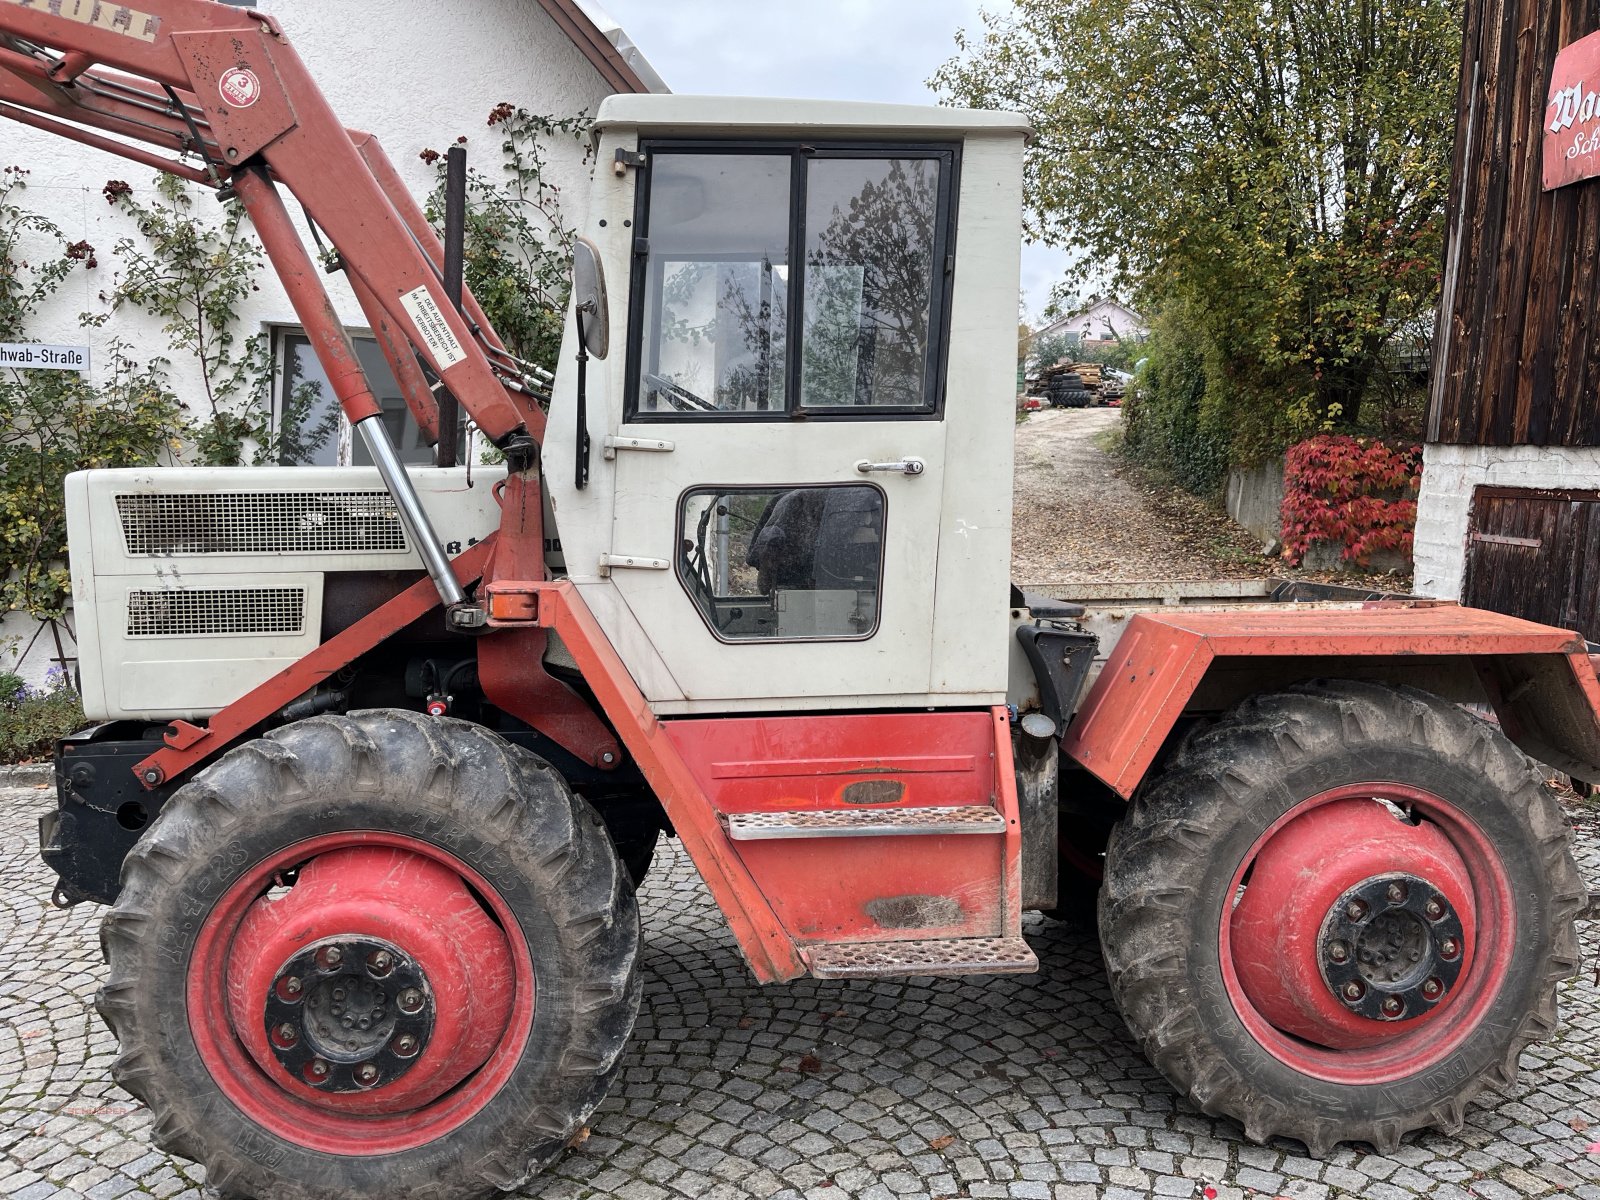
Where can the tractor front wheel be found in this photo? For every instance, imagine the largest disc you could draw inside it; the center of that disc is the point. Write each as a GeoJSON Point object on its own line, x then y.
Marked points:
{"type": "Point", "coordinates": [1339, 912]}
{"type": "Point", "coordinates": [371, 956]}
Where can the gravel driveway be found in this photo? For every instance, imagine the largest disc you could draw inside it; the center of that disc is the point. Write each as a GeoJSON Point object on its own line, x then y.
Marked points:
{"type": "Point", "coordinates": [1077, 521]}
{"type": "Point", "coordinates": [1022, 1087]}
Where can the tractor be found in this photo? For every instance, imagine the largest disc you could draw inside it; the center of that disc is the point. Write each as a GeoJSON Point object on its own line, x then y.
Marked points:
{"type": "Point", "coordinates": [381, 755]}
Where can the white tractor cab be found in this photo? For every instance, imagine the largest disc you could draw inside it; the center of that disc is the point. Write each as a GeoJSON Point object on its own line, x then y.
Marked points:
{"type": "Point", "coordinates": [800, 493]}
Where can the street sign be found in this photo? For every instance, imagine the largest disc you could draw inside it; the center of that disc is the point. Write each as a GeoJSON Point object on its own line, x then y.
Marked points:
{"type": "Point", "coordinates": [1572, 115]}
{"type": "Point", "coordinates": [35, 356]}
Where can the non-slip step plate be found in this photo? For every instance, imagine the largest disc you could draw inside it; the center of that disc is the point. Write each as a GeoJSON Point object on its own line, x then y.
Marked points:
{"type": "Point", "coordinates": [881, 822]}
{"type": "Point", "coordinates": [940, 956]}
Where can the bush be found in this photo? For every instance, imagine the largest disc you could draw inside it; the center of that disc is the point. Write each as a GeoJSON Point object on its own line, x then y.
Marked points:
{"type": "Point", "coordinates": [1358, 493]}
{"type": "Point", "coordinates": [31, 719]}
{"type": "Point", "coordinates": [1166, 424]}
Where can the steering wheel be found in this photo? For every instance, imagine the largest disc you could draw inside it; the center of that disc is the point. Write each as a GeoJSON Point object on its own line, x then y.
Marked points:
{"type": "Point", "coordinates": [680, 398]}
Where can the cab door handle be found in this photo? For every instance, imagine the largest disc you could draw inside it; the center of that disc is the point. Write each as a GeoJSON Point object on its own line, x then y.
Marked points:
{"type": "Point", "coordinates": [906, 466]}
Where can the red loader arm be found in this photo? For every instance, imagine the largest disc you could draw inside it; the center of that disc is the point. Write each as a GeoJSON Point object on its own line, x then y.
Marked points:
{"type": "Point", "coordinates": [217, 95]}
{"type": "Point", "coordinates": [223, 86]}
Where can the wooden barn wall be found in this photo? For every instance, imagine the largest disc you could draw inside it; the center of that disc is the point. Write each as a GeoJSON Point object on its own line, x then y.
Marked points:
{"type": "Point", "coordinates": [1517, 351]}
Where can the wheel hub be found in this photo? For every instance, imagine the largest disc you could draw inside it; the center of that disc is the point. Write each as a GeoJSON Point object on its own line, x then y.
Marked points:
{"type": "Point", "coordinates": [1337, 901]}
{"type": "Point", "coordinates": [373, 986]}
{"type": "Point", "coordinates": [349, 1014]}
{"type": "Point", "coordinates": [1391, 947]}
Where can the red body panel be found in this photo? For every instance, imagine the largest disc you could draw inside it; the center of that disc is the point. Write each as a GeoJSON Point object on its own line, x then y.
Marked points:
{"type": "Point", "coordinates": [763, 764]}
{"type": "Point", "coordinates": [861, 889]}
{"type": "Point", "coordinates": [1154, 670]}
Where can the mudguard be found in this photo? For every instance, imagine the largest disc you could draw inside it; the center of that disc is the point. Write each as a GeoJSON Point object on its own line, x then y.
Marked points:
{"type": "Point", "coordinates": [1538, 679]}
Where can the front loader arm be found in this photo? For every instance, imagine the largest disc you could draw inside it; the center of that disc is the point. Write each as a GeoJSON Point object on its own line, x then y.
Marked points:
{"type": "Point", "coordinates": [217, 95]}
{"type": "Point", "coordinates": [224, 85]}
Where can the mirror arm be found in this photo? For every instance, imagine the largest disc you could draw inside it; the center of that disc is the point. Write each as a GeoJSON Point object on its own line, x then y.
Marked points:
{"type": "Point", "coordinates": [581, 472]}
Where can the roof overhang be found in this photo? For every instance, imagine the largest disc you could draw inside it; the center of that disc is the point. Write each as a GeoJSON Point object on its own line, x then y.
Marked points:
{"type": "Point", "coordinates": [606, 45]}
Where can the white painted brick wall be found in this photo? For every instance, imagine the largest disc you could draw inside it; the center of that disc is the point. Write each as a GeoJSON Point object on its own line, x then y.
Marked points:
{"type": "Point", "coordinates": [1449, 475]}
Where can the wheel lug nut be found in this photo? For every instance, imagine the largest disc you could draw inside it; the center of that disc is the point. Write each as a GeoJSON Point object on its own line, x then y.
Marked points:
{"type": "Point", "coordinates": [1432, 989]}
{"type": "Point", "coordinates": [367, 1074]}
{"type": "Point", "coordinates": [1339, 952]}
{"type": "Point", "coordinates": [1434, 909]}
{"type": "Point", "coordinates": [1356, 910]}
{"type": "Point", "coordinates": [292, 985]}
{"type": "Point", "coordinates": [1449, 948]}
{"type": "Point", "coordinates": [333, 956]}
{"type": "Point", "coordinates": [405, 1045]}
{"type": "Point", "coordinates": [380, 962]}
{"type": "Point", "coordinates": [1354, 990]}
{"type": "Point", "coordinates": [318, 1069]}
{"type": "Point", "coordinates": [286, 1034]}
{"type": "Point", "coordinates": [411, 1000]}
{"type": "Point", "coordinates": [1397, 893]}
{"type": "Point", "coordinates": [1393, 1006]}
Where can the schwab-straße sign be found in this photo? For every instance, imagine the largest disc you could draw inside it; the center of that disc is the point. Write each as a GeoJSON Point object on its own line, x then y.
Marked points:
{"type": "Point", "coordinates": [33, 356]}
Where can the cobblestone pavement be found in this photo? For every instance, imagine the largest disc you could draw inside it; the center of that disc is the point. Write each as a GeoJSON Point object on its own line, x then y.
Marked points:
{"type": "Point", "coordinates": [1022, 1087]}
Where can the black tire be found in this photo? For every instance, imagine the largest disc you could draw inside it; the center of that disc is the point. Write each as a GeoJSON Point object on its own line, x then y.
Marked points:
{"type": "Point", "coordinates": [444, 782]}
{"type": "Point", "coordinates": [1171, 866]}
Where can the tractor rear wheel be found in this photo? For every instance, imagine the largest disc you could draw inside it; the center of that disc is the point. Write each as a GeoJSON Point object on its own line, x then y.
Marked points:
{"type": "Point", "coordinates": [1339, 912]}
{"type": "Point", "coordinates": [371, 956]}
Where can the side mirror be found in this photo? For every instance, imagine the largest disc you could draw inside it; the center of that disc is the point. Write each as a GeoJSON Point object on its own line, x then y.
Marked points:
{"type": "Point", "coordinates": [589, 295]}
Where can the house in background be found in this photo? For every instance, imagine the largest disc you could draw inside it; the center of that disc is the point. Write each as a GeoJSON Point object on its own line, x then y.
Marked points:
{"type": "Point", "coordinates": [418, 75]}
{"type": "Point", "coordinates": [1509, 512]}
{"type": "Point", "coordinates": [1100, 321]}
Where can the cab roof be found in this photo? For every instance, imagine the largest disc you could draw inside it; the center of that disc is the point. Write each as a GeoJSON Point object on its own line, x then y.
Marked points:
{"type": "Point", "coordinates": [675, 114]}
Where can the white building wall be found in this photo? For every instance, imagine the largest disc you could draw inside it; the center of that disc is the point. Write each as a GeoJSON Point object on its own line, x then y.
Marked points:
{"type": "Point", "coordinates": [1103, 320]}
{"type": "Point", "coordinates": [1449, 476]}
{"type": "Point", "coordinates": [417, 73]}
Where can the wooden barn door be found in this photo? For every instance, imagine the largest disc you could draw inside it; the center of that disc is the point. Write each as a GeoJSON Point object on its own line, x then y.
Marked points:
{"type": "Point", "coordinates": [1536, 554]}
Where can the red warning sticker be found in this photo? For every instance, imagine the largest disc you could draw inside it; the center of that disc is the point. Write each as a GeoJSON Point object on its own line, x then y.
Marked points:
{"type": "Point", "coordinates": [239, 87]}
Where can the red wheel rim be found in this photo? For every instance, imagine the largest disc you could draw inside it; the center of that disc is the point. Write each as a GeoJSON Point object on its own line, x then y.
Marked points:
{"type": "Point", "coordinates": [1263, 960]}
{"type": "Point", "coordinates": [484, 1008]}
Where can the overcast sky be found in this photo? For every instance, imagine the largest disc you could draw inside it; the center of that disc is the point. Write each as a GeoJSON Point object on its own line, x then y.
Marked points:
{"type": "Point", "coordinates": [830, 49]}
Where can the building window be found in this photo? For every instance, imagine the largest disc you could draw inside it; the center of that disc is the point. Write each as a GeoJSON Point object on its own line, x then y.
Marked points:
{"type": "Point", "coordinates": [312, 431]}
{"type": "Point", "coordinates": [782, 280]}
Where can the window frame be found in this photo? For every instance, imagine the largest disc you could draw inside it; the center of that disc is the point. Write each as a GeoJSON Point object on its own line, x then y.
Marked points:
{"type": "Point", "coordinates": [713, 489]}
{"type": "Point", "coordinates": [279, 335]}
{"type": "Point", "coordinates": [801, 153]}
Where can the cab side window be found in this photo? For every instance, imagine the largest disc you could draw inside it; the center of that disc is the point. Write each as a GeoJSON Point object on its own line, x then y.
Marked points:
{"type": "Point", "coordinates": [784, 563]}
{"type": "Point", "coordinates": [783, 280]}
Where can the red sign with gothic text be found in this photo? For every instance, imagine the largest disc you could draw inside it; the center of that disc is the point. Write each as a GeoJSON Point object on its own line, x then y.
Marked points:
{"type": "Point", "coordinates": [1572, 115]}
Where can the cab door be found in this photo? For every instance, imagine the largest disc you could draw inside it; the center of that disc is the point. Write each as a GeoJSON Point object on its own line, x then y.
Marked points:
{"type": "Point", "coordinates": [780, 463]}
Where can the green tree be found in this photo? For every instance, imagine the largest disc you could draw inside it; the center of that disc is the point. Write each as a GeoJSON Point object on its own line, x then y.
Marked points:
{"type": "Point", "coordinates": [1276, 169]}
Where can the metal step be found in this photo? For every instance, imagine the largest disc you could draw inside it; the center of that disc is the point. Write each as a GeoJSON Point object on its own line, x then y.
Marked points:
{"type": "Point", "coordinates": [937, 956]}
{"type": "Point", "coordinates": [881, 822]}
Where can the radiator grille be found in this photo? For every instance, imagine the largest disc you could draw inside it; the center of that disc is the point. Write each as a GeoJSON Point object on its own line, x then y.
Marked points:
{"type": "Point", "coordinates": [260, 523]}
{"type": "Point", "coordinates": [200, 611]}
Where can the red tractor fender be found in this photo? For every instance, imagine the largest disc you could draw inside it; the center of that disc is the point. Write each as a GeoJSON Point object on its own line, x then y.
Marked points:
{"type": "Point", "coordinates": [1539, 680]}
